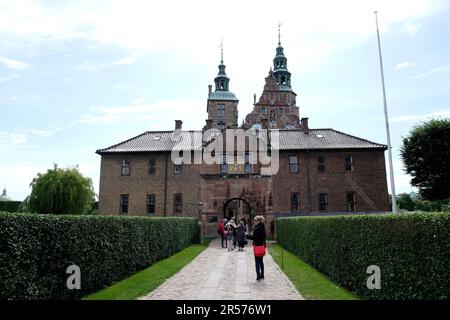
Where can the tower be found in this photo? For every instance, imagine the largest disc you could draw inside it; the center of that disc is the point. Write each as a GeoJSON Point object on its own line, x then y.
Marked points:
{"type": "Point", "coordinates": [276, 107]}
{"type": "Point", "coordinates": [222, 104]}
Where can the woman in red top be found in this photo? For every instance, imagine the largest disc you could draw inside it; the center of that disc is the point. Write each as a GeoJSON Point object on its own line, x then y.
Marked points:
{"type": "Point", "coordinates": [221, 231]}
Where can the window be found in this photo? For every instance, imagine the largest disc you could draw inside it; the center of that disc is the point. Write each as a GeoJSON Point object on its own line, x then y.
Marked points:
{"type": "Point", "coordinates": [295, 202]}
{"type": "Point", "coordinates": [151, 203]}
{"type": "Point", "coordinates": [223, 164]}
{"type": "Point", "coordinates": [323, 202]}
{"type": "Point", "coordinates": [221, 125]}
{"type": "Point", "coordinates": [221, 109]}
{"type": "Point", "coordinates": [293, 164]}
{"type": "Point", "coordinates": [124, 203]}
{"type": "Point", "coordinates": [151, 166]}
{"type": "Point", "coordinates": [178, 203]}
{"type": "Point", "coordinates": [126, 167]}
{"type": "Point", "coordinates": [272, 116]}
{"type": "Point", "coordinates": [248, 168]}
{"type": "Point", "coordinates": [321, 161]}
{"type": "Point", "coordinates": [178, 168]}
{"type": "Point", "coordinates": [348, 163]}
{"type": "Point", "coordinates": [280, 110]}
{"type": "Point", "coordinates": [263, 110]}
{"type": "Point", "coordinates": [351, 202]}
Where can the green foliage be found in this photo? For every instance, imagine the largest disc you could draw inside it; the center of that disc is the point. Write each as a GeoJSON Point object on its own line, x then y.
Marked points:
{"type": "Point", "coordinates": [10, 206]}
{"type": "Point", "coordinates": [426, 154]}
{"type": "Point", "coordinates": [24, 205]}
{"type": "Point", "coordinates": [149, 279]}
{"type": "Point", "coordinates": [35, 251]}
{"type": "Point", "coordinates": [407, 202]}
{"type": "Point", "coordinates": [311, 284]}
{"type": "Point", "coordinates": [412, 251]}
{"type": "Point", "coordinates": [61, 191]}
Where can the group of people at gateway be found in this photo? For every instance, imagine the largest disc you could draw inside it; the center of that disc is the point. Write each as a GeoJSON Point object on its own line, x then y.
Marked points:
{"type": "Point", "coordinates": [237, 234]}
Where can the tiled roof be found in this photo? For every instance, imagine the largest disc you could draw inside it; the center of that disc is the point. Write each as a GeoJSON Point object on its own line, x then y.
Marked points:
{"type": "Point", "coordinates": [158, 141]}
{"type": "Point", "coordinates": [320, 139]}
{"type": "Point", "coordinates": [154, 141]}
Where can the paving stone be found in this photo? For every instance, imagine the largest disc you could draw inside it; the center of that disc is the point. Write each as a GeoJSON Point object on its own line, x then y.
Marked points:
{"type": "Point", "coordinates": [218, 274]}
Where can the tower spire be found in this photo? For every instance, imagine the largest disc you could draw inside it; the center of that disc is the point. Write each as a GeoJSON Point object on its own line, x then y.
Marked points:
{"type": "Point", "coordinates": [279, 33]}
{"type": "Point", "coordinates": [221, 51]}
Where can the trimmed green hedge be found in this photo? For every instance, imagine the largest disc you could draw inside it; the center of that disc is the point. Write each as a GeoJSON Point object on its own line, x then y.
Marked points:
{"type": "Point", "coordinates": [35, 251]}
{"type": "Point", "coordinates": [10, 206]}
{"type": "Point", "coordinates": [412, 251]}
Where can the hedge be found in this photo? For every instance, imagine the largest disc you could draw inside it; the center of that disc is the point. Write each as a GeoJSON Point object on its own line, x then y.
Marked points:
{"type": "Point", "coordinates": [412, 251]}
{"type": "Point", "coordinates": [10, 206]}
{"type": "Point", "coordinates": [36, 250]}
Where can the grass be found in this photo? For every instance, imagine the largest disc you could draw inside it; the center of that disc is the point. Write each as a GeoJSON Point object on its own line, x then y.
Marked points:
{"type": "Point", "coordinates": [311, 284]}
{"type": "Point", "coordinates": [149, 279]}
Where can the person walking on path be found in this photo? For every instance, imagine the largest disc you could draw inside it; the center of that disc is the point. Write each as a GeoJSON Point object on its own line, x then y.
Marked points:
{"type": "Point", "coordinates": [259, 245]}
{"type": "Point", "coordinates": [229, 236]}
{"type": "Point", "coordinates": [240, 235]}
{"type": "Point", "coordinates": [221, 231]}
{"type": "Point", "coordinates": [232, 224]}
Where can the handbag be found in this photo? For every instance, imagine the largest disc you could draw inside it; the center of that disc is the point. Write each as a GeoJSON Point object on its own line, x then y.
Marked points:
{"type": "Point", "coordinates": [259, 251]}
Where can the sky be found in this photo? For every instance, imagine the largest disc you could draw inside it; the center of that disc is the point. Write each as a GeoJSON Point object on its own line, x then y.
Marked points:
{"type": "Point", "coordinates": [78, 76]}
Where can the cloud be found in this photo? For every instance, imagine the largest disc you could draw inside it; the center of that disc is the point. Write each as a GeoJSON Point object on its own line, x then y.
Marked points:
{"type": "Point", "coordinates": [166, 110]}
{"type": "Point", "coordinates": [408, 118]}
{"type": "Point", "coordinates": [127, 60]}
{"type": "Point", "coordinates": [13, 64]}
{"type": "Point", "coordinates": [429, 73]}
{"type": "Point", "coordinates": [404, 65]}
{"type": "Point", "coordinates": [127, 24]}
{"type": "Point", "coordinates": [410, 28]}
{"type": "Point", "coordinates": [14, 76]}
{"type": "Point", "coordinates": [18, 137]}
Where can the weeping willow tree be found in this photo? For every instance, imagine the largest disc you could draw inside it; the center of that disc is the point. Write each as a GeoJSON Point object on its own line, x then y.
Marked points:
{"type": "Point", "coordinates": [61, 191]}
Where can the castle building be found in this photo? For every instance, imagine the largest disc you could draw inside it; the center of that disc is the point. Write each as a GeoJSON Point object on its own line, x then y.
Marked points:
{"type": "Point", "coordinates": [318, 170]}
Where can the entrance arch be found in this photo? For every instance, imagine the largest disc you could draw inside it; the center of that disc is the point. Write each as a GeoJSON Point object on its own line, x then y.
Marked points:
{"type": "Point", "coordinates": [228, 213]}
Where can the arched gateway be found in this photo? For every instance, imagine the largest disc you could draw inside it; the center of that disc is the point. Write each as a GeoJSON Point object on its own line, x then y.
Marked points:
{"type": "Point", "coordinates": [238, 212]}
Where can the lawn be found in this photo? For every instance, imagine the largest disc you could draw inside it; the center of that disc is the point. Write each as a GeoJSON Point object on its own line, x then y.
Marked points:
{"type": "Point", "coordinates": [149, 279]}
{"type": "Point", "coordinates": [311, 284]}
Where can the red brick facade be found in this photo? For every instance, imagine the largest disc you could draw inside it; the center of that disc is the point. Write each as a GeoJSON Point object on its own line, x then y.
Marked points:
{"type": "Point", "coordinates": [332, 171]}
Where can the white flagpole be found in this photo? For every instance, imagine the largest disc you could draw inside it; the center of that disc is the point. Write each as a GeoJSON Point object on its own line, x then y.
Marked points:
{"type": "Point", "coordinates": [391, 170]}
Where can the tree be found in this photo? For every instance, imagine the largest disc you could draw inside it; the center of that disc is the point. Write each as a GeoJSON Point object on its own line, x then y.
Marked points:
{"type": "Point", "coordinates": [61, 191]}
{"type": "Point", "coordinates": [405, 202]}
{"type": "Point", "coordinates": [426, 154]}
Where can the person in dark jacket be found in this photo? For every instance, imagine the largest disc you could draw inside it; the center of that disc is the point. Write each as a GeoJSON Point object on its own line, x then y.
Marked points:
{"type": "Point", "coordinates": [259, 239]}
{"type": "Point", "coordinates": [240, 235]}
{"type": "Point", "coordinates": [221, 231]}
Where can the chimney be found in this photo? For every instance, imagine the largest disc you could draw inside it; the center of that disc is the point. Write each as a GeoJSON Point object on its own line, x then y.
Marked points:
{"type": "Point", "coordinates": [264, 123]}
{"type": "Point", "coordinates": [178, 124]}
{"type": "Point", "coordinates": [304, 124]}
{"type": "Point", "coordinates": [208, 123]}
{"type": "Point", "coordinates": [209, 90]}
